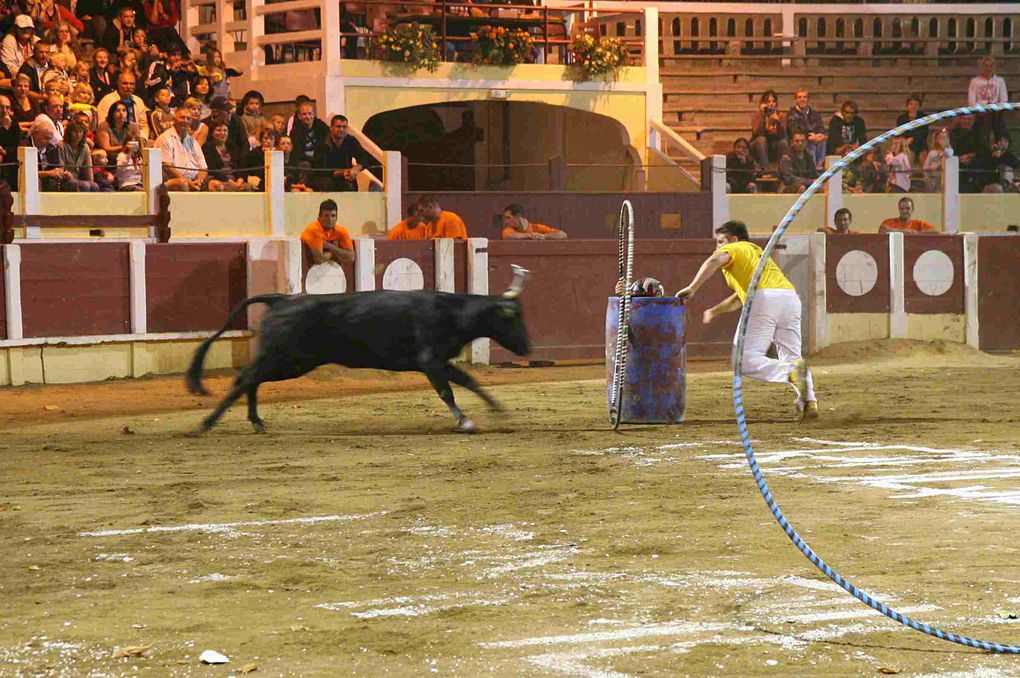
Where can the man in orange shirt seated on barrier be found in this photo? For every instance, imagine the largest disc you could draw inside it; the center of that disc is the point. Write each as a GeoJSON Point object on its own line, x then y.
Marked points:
{"type": "Point", "coordinates": [842, 219]}
{"type": "Point", "coordinates": [411, 228]}
{"type": "Point", "coordinates": [441, 224]}
{"type": "Point", "coordinates": [325, 240]}
{"type": "Point", "coordinates": [517, 227]}
{"type": "Point", "coordinates": [904, 224]}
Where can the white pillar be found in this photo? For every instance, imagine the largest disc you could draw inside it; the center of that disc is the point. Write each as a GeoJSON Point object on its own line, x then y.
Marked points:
{"type": "Point", "coordinates": [392, 186]}
{"type": "Point", "coordinates": [897, 290]}
{"type": "Point", "coordinates": [331, 39]}
{"type": "Point", "coordinates": [152, 176]}
{"type": "Point", "coordinates": [12, 291]}
{"type": "Point", "coordinates": [478, 283]}
{"type": "Point", "coordinates": [970, 289]}
{"type": "Point", "coordinates": [29, 183]}
{"type": "Point", "coordinates": [653, 87]}
{"type": "Point", "coordinates": [292, 274]}
{"type": "Point", "coordinates": [364, 264]}
{"type": "Point", "coordinates": [445, 274]}
{"type": "Point", "coordinates": [256, 29]}
{"type": "Point", "coordinates": [951, 194]}
{"type": "Point", "coordinates": [189, 19]}
{"type": "Point", "coordinates": [715, 167]}
{"type": "Point", "coordinates": [818, 337]}
{"type": "Point", "coordinates": [833, 192]}
{"type": "Point", "coordinates": [139, 312]}
{"type": "Point", "coordinates": [275, 190]}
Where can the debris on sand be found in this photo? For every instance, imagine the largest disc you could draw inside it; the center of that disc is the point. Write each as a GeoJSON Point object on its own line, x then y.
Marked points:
{"type": "Point", "coordinates": [213, 657]}
{"type": "Point", "coordinates": [132, 651]}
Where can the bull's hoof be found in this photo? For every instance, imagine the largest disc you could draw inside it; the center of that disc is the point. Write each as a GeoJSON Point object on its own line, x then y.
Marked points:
{"type": "Point", "coordinates": [259, 428]}
{"type": "Point", "coordinates": [466, 426]}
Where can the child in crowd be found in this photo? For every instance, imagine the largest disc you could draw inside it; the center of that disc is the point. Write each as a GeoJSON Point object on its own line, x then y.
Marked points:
{"type": "Point", "coordinates": [899, 166]}
{"type": "Point", "coordinates": [161, 117]}
{"type": "Point", "coordinates": [295, 178]}
{"type": "Point", "coordinates": [82, 99]}
{"type": "Point", "coordinates": [80, 73]}
{"type": "Point", "coordinates": [218, 73]}
{"type": "Point", "coordinates": [129, 163]}
{"type": "Point", "coordinates": [100, 174]}
{"type": "Point", "coordinates": [251, 117]}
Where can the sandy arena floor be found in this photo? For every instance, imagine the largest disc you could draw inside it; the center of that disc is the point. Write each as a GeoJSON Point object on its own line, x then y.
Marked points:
{"type": "Point", "coordinates": [363, 537]}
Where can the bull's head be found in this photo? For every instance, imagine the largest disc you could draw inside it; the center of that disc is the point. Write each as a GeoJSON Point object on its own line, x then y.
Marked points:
{"type": "Point", "coordinates": [507, 322]}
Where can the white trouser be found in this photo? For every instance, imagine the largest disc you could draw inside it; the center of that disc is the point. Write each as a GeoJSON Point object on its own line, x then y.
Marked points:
{"type": "Point", "coordinates": [774, 319]}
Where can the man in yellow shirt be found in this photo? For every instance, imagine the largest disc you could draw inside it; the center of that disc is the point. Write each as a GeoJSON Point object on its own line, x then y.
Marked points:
{"type": "Point", "coordinates": [774, 317]}
{"type": "Point", "coordinates": [441, 224]}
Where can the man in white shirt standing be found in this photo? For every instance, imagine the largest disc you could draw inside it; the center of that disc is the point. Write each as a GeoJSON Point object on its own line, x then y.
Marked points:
{"type": "Point", "coordinates": [184, 167]}
{"type": "Point", "coordinates": [988, 88]}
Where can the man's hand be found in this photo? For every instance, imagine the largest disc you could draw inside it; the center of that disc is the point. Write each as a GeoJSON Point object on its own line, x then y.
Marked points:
{"type": "Point", "coordinates": [621, 286]}
{"type": "Point", "coordinates": [686, 293]}
{"type": "Point", "coordinates": [196, 185]}
{"type": "Point", "coordinates": [708, 316]}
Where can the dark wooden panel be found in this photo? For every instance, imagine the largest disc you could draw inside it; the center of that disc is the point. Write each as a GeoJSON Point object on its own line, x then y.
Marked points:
{"type": "Point", "coordinates": [193, 286]}
{"type": "Point", "coordinates": [565, 300]}
{"type": "Point", "coordinates": [584, 215]}
{"type": "Point", "coordinates": [460, 267]}
{"type": "Point", "coordinates": [87, 221]}
{"type": "Point", "coordinates": [998, 291]}
{"type": "Point", "coordinates": [877, 299]}
{"type": "Point", "coordinates": [422, 252]}
{"type": "Point", "coordinates": [916, 301]}
{"type": "Point", "coordinates": [75, 289]}
{"type": "Point", "coordinates": [3, 297]}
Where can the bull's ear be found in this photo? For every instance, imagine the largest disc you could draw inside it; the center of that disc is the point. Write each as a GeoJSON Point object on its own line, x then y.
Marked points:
{"type": "Point", "coordinates": [517, 284]}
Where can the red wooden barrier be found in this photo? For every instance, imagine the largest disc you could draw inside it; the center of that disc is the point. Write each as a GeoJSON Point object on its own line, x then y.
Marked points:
{"type": "Point", "coordinates": [3, 298]}
{"type": "Point", "coordinates": [998, 292]}
{"type": "Point", "coordinates": [933, 274]}
{"type": "Point", "coordinates": [858, 283]}
{"type": "Point", "coordinates": [193, 286]}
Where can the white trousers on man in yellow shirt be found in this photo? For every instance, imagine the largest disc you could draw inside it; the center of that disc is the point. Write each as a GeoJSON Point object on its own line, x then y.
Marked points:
{"type": "Point", "coordinates": [774, 319]}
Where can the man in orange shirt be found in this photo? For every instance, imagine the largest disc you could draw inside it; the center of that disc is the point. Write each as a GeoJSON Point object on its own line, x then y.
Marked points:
{"type": "Point", "coordinates": [411, 228]}
{"type": "Point", "coordinates": [441, 224]}
{"type": "Point", "coordinates": [517, 227]}
{"type": "Point", "coordinates": [325, 240]}
{"type": "Point", "coordinates": [842, 219]}
{"type": "Point", "coordinates": [905, 224]}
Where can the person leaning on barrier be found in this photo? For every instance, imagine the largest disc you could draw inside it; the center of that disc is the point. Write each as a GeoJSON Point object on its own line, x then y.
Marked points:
{"type": "Point", "coordinates": [411, 228]}
{"type": "Point", "coordinates": [904, 223]}
{"type": "Point", "coordinates": [52, 177]}
{"type": "Point", "coordinates": [184, 166]}
{"type": "Point", "coordinates": [842, 219]}
{"type": "Point", "coordinates": [326, 240]}
{"type": "Point", "coordinates": [441, 224]}
{"type": "Point", "coordinates": [517, 227]}
{"type": "Point", "coordinates": [339, 159]}
{"type": "Point", "coordinates": [797, 168]}
{"type": "Point", "coordinates": [740, 168]}
{"type": "Point", "coordinates": [10, 137]}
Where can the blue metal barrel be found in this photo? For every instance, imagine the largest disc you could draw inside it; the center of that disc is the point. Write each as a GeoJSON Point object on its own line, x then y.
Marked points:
{"type": "Point", "coordinates": [654, 388]}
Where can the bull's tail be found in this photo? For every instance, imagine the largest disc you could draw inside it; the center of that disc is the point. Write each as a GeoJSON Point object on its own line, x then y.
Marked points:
{"type": "Point", "coordinates": [193, 377]}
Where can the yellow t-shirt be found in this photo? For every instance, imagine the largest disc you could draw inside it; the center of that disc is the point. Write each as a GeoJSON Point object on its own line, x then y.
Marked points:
{"type": "Point", "coordinates": [744, 258]}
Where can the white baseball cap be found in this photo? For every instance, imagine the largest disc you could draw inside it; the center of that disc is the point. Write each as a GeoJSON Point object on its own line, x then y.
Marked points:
{"type": "Point", "coordinates": [23, 21]}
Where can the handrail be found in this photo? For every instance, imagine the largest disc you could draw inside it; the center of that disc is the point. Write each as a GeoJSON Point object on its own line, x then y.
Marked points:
{"type": "Point", "coordinates": [671, 138]}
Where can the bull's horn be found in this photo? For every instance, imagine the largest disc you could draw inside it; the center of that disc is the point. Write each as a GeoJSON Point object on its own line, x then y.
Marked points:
{"type": "Point", "coordinates": [517, 284]}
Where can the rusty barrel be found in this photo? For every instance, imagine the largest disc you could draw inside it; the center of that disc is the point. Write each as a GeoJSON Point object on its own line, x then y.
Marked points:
{"type": "Point", "coordinates": [654, 387]}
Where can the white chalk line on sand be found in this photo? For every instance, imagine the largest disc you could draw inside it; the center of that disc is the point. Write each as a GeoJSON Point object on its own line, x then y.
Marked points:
{"type": "Point", "coordinates": [230, 527]}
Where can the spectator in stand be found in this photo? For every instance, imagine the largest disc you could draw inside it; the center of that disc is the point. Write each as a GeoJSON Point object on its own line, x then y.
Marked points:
{"type": "Point", "coordinates": [307, 133]}
{"type": "Point", "coordinates": [898, 161]}
{"type": "Point", "coordinates": [161, 118]}
{"type": "Point", "coordinates": [47, 13]}
{"type": "Point", "coordinates": [918, 146]}
{"type": "Point", "coordinates": [965, 147]}
{"type": "Point", "coordinates": [768, 131]}
{"type": "Point", "coordinates": [64, 50]}
{"type": "Point", "coordinates": [101, 75]}
{"type": "Point", "coordinates": [218, 158]}
{"type": "Point", "coordinates": [904, 223]}
{"type": "Point", "coordinates": [295, 177]}
{"type": "Point", "coordinates": [202, 90]}
{"type": "Point", "coordinates": [842, 219]}
{"type": "Point", "coordinates": [76, 158]}
{"type": "Point", "coordinates": [441, 224]}
{"type": "Point", "coordinates": [35, 67]}
{"type": "Point", "coordinates": [517, 227]}
{"type": "Point", "coordinates": [81, 102]}
{"type": "Point", "coordinates": [994, 168]}
{"type": "Point", "coordinates": [802, 118]}
{"type": "Point", "coordinates": [10, 138]}
{"type": "Point", "coordinates": [199, 128]}
{"type": "Point", "coordinates": [129, 164]}
{"type": "Point", "coordinates": [250, 113]}
{"type": "Point", "coordinates": [326, 240]}
{"type": "Point", "coordinates": [740, 168]}
{"type": "Point", "coordinates": [933, 161]}
{"type": "Point", "coordinates": [16, 47]}
{"type": "Point", "coordinates": [157, 74]}
{"type": "Point", "coordinates": [797, 168]}
{"type": "Point", "coordinates": [52, 177]}
{"type": "Point", "coordinates": [113, 132]}
{"type": "Point", "coordinates": [868, 175]}
{"type": "Point", "coordinates": [80, 73]}
{"type": "Point", "coordinates": [218, 73]}
{"type": "Point", "coordinates": [847, 130]}
{"type": "Point", "coordinates": [256, 160]}
{"type": "Point", "coordinates": [299, 100]}
{"type": "Point", "coordinates": [184, 165]}
{"type": "Point", "coordinates": [987, 88]}
{"type": "Point", "coordinates": [342, 154]}
{"type": "Point", "coordinates": [57, 79]}
{"type": "Point", "coordinates": [25, 109]}
{"type": "Point", "coordinates": [92, 14]}
{"type": "Point", "coordinates": [278, 125]}
{"type": "Point", "coordinates": [53, 112]}
{"type": "Point", "coordinates": [117, 36]}
{"type": "Point", "coordinates": [136, 110]}
{"type": "Point", "coordinates": [236, 141]}
{"type": "Point", "coordinates": [162, 17]}
{"type": "Point", "coordinates": [411, 228]}
{"type": "Point", "coordinates": [127, 62]}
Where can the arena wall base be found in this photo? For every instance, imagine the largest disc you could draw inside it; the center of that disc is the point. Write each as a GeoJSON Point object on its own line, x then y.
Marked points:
{"type": "Point", "coordinates": [67, 362]}
{"type": "Point", "coordinates": [937, 327]}
{"type": "Point", "coordinates": [857, 326]}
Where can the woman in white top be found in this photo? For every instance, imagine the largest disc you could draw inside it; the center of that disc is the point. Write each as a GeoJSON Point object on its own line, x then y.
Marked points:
{"type": "Point", "coordinates": [940, 148]}
{"type": "Point", "coordinates": [899, 166]}
{"type": "Point", "coordinates": [63, 46]}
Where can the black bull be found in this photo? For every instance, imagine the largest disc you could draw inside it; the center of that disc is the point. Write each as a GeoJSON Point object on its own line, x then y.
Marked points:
{"type": "Point", "coordinates": [419, 331]}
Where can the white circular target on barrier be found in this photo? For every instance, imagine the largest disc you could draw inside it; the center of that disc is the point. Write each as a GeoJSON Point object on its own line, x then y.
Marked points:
{"type": "Point", "coordinates": [934, 273]}
{"type": "Point", "coordinates": [856, 273]}
{"type": "Point", "coordinates": [325, 278]}
{"type": "Point", "coordinates": [403, 274]}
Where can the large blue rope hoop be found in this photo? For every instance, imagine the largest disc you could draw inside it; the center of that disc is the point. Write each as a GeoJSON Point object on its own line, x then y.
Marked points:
{"type": "Point", "coordinates": [738, 397]}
